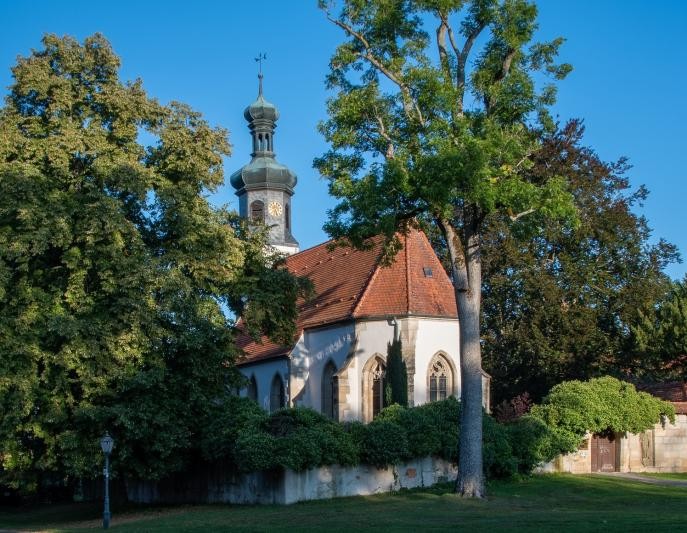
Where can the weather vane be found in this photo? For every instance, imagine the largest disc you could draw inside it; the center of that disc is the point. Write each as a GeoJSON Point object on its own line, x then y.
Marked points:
{"type": "Point", "coordinates": [261, 57]}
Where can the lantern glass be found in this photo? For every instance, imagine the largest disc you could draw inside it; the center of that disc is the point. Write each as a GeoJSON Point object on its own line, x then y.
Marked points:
{"type": "Point", "coordinates": [106, 443]}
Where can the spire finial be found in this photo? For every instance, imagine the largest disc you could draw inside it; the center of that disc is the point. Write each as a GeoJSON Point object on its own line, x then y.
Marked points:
{"type": "Point", "coordinates": [261, 57]}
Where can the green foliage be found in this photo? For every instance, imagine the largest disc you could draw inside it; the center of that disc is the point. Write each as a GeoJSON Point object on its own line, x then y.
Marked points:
{"type": "Point", "coordinates": [658, 340]}
{"type": "Point", "coordinates": [531, 442]}
{"type": "Point", "coordinates": [384, 443]}
{"type": "Point", "coordinates": [599, 405]}
{"type": "Point", "coordinates": [296, 438]}
{"type": "Point", "coordinates": [300, 438]}
{"type": "Point", "coordinates": [115, 272]}
{"type": "Point", "coordinates": [558, 302]}
{"type": "Point", "coordinates": [499, 461]}
{"type": "Point", "coordinates": [223, 425]}
{"type": "Point", "coordinates": [396, 375]}
{"type": "Point", "coordinates": [396, 102]}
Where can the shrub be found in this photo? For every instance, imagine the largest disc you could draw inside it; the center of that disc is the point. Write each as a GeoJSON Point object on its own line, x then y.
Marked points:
{"type": "Point", "coordinates": [384, 443]}
{"type": "Point", "coordinates": [254, 450]}
{"type": "Point", "coordinates": [295, 438]}
{"type": "Point", "coordinates": [498, 459]}
{"type": "Point", "coordinates": [422, 432]}
{"type": "Point", "coordinates": [511, 410]}
{"type": "Point", "coordinates": [223, 423]}
{"type": "Point", "coordinates": [599, 405]}
{"type": "Point", "coordinates": [444, 416]}
{"type": "Point", "coordinates": [301, 438]}
{"type": "Point", "coordinates": [531, 443]}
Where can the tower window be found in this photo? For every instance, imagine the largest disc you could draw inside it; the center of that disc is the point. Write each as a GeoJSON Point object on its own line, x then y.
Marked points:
{"type": "Point", "coordinates": [287, 216]}
{"type": "Point", "coordinates": [257, 211]}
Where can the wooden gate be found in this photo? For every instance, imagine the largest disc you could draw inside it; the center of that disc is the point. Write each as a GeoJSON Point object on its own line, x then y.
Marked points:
{"type": "Point", "coordinates": [604, 454]}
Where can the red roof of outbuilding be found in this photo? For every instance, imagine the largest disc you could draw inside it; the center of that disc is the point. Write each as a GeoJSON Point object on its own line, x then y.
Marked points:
{"type": "Point", "coordinates": [673, 391]}
{"type": "Point", "coordinates": [352, 283]}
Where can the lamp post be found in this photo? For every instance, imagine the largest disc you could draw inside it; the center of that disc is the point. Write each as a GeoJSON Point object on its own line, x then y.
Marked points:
{"type": "Point", "coordinates": [106, 443]}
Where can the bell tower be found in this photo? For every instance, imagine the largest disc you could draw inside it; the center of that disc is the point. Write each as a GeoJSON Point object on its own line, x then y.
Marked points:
{"type": "Point", "coordinates": [264, 186]}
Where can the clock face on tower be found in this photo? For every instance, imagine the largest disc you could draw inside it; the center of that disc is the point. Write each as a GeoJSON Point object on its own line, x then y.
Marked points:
{"type": "Point", "coordinates": [275, 209]}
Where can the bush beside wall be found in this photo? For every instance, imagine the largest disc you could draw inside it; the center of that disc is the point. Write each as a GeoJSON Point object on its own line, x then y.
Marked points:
{"type": "Point", "coordinates": [301, 438]}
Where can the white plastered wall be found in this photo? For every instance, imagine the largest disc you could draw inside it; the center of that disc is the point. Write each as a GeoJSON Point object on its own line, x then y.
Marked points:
{"type": "Point", "coordinates": [264, 373]}
{"type": "Point", "coordinates": [313, 351]}
{"type": "Point", "coordinates": [350, 346]}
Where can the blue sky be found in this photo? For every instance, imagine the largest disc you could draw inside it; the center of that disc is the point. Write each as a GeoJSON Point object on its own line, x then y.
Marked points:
{"type": "Point", "coordinates": [628, 83]}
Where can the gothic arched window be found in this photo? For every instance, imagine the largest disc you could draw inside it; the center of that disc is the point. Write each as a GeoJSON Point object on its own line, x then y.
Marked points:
{"type": "Point", "coordinates": [252, 389]}
{"type": "Point", "coordinates": [257, 211]}
{"type": "Point", "coordinates": [378, 383]}
{"type": "Point", "coordinates": [277, 400]}
{"type": "Point", "coordinates": [440, 377]}
{"type": "Point", "coordinates": [374, 381]}
{"type": "Point", "coordinates": [329, 391]}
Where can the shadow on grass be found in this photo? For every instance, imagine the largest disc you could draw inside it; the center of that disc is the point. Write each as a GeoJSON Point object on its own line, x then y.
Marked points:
{"type": "Point", "coordinates": [540, 503]}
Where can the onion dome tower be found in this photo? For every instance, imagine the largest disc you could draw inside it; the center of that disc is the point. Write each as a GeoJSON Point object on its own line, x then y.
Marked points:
{"type": "Point", "coordinates": [264, 186]}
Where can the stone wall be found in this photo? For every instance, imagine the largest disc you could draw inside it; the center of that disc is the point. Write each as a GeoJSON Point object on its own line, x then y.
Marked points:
{"type": "Point", "coordinates": [578, 462]}
{"type": "Point", "coordinates": [219, 484]}
{"type": "Point", "coordinates": [662, 449]}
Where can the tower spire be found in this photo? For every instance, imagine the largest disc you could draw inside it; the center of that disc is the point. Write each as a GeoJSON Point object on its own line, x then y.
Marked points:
{"type": "Point", "coordinates": [262, 56]}
{"type": "Point", "coordinates": [265, 186]}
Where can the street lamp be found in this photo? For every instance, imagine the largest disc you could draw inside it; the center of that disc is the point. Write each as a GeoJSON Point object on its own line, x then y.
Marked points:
{"type": "Point", "coordinates": [106, 443]}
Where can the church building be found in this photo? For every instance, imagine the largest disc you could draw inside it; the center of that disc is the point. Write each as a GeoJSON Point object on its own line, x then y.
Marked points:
{"type": "Point", "coordinates": [337, 364]}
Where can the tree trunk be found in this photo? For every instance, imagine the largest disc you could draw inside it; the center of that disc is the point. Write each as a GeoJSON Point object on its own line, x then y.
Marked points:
{"type": "Point", "coordinates": [467, 280]}
{"type": "Point", "coordinates": [470, 480]}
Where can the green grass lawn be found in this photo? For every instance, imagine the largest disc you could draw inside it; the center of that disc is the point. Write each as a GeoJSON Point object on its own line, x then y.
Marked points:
{"type": "Point", "coordinates": [542, 503]}
{"type": "Point", "coordinates": [667, 475]}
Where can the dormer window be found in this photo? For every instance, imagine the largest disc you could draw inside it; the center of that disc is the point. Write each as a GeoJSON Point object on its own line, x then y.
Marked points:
{"type": "Point", "coordinates": [427, 271]}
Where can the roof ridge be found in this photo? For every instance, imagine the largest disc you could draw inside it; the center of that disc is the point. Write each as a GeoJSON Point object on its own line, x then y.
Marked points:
{"type": "Point", "coordinates": [325, 243]}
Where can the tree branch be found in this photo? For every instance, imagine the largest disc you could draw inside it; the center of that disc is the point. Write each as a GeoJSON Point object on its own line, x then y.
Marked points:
{"type": "Point", "coordinates": [515, 218]}
{"type": "Point", "coordinates": [505, 67]}
{"type": "Point", "coordinates": [462, 58]}
{"type": "Point", "coordinates": [456, 253]}
{"type": "Point", "coordinates": [383, 133]}
{"type": "Point", "coordinates": [408, 100]}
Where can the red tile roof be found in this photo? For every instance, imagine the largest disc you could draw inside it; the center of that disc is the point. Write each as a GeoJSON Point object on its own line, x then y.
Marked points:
{"type": "Point", "coordinates": [674, 392]}
{"type": "Point", "coordinates": [352, 283]}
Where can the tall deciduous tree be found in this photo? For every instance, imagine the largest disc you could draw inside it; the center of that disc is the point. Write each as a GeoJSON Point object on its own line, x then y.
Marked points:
{"type": "Point", "coordinates": [559, 304]}
{"type": "Point", "coordinates": [438, 126]}
{"type": "Point", "coordinates": [115, 272]}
